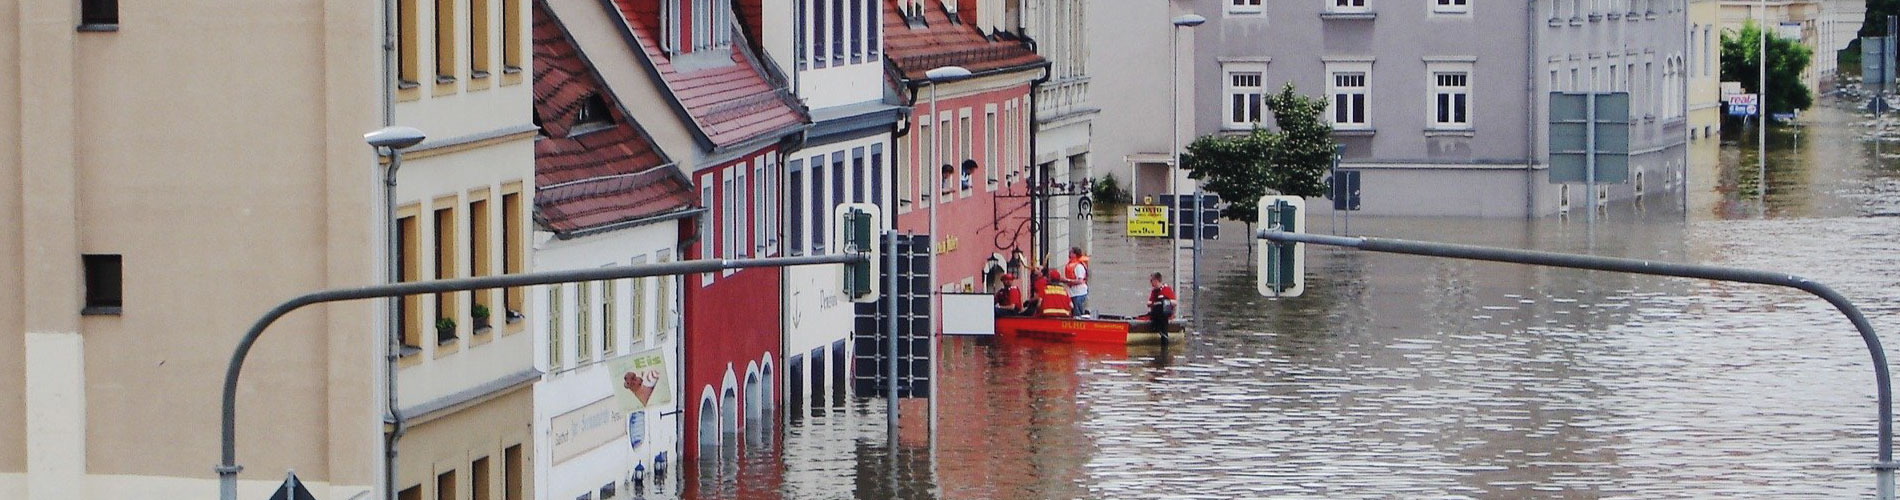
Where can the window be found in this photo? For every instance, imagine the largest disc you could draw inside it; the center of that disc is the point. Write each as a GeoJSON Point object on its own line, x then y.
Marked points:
{"type": "Point", "coordinates": [478, 479]}
{"type": "Point", "coordinates": [799, 47]}
{"type": "Point", "coordinates": [773, 193]}
{"type": "Point", "coordinates": [820, 42]}
{"type": "Point", "coordinates": [945, 155]}
{"type": "Point", "coordinates": [1707, 52]}
{"type": "Point", "coordinates": [741, 246]}
{"type": "Point", "coordinates": [1451, 94]}
{"type": "Point", "coordinates": [410, 307]}
{"type": "Point", "coordinates": [592, 115]}
{"type": "Point", "coordinates": [583, 322]}
{"type": "Point", "coordinates": [990, 147]}
{"type": "Point", "coordinates": [1348, 6]}
{"type": "Point", "coordinates": [877, 174]}
{"type": "Point", "coordinates": [707, 247]}
{"type": "Point", "coordinates": [797, 206]}
{"type": "Point", "coordinates": [407, 40]}
{"type": "Point", "coordinates": [479, 56]}
{"type": "Point", "coordinates": [478, 256]}
{"type": "Point", "coordinates": [410, 493]}
{"type": "Point", "coordinates": [444, 41]}
{"type": "Point", "coordinates": [98, 13]}
{"type": "Point", "coordinates": [857, 175]}
{"type": "Point", "coordinates": [639, 309]}
{"type": "Point", "coordinates": [555, 333]}
{"type": "Point", "coordinates": [963, 148]}
{"type": "Point", "coordinates": [857, 31]}
{"type": "Point", "coordinates": [445, 486]}
{"type": "Point", "coordinates": [1451, 6]}
{"type": "Point", "coordinates": [664, 303]}
{"type": "Point", "coordinates": [1349, 100]}
{"type": "Point", "coordinates": [511, 250]}
{"type": "Point", "coordinates": [445, 303]}
{"type": "Point", "coordinates": [511, 36]}
{"type": "Point", "coordinates": [838, 48]}
{"type": "Point", "coordinates": [817, 204]}
{"type": "Point", "coordinates": [511, 467]}
{"type": "Point", "coordinates": [838, 183]}
{"type": "Point", "coordinates": [104, 284]}
{"type": "Point", "coordinates": [1243, 99]}
{"type": "Point", "coordinates": [1243, 6]}
{"type": "Point", "coordinates": [872, 20]}
{"type": "Point", "coordinates": [608, 334]}
{"type": "Point", "coordinates": [760, 204]}
{"type": "Point", "coordinates": [727, 221]}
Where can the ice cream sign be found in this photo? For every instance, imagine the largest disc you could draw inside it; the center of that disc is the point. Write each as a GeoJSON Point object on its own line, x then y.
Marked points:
{"type": "Point", "coordinates": [640, 380]}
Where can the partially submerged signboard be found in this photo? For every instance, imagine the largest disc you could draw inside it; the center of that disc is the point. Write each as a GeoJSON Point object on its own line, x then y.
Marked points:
{"type": "Point", "coordinates": [1586, 130]}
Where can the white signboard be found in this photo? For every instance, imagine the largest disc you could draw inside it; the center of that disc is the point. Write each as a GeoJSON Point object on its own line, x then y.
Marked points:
{"type": "Point", "coordinates": [586, 428]}
{"type": "Point", "coordinates": [969, 314]}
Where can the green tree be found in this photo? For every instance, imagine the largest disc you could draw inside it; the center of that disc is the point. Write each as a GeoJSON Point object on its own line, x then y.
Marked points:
{"type": "Point", "coordinates": [1741, 54]}
{"type": "Point", "coordinates": [1877, 12]}
{"type": "Point", "coordinates": [1291, 161]}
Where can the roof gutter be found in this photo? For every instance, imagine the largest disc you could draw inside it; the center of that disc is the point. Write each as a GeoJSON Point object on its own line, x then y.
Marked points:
{"type": "Point", "coordinates": [673, 215]}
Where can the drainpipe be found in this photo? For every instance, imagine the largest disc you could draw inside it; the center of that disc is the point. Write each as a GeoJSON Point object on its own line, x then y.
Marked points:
{"type": "Point", "coordinates": [1040, 204]}
{"type": "Point", "coordinates": [392, 417]}
{"type": "Point", "coordinates": [1530, 109]}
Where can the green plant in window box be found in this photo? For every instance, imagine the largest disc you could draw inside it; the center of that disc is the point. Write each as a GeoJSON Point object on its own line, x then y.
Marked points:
{"type": "Point", "coordinates": [480, 314]}
{"type": "Point", "coordinates": [444, 330]}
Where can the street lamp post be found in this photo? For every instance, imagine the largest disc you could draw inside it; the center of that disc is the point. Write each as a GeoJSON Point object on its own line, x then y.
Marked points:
{"type": "Point", "coordinates": [1761, 117]}
{"type": "Point", "coordinates": [392, 140]}
{"type": "Point", "coordinates": [1174, 172]}
{"type": "Point", "coordinates": [936, 75]}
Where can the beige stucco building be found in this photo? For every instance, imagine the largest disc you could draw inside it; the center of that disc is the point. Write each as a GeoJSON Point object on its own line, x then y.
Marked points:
{"type": "Point", "coordinates": [1826, 27]}
{"type": "Point", "coordinates": [173, 170]}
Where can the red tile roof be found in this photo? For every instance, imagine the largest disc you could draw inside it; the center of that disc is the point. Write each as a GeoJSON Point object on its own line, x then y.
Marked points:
{"type": "Point", "coordinates": [942, 43]}
{"type": "Point", "coordinates": [729, 104]}
{"type": "Point", "coordinates": [599, 177]}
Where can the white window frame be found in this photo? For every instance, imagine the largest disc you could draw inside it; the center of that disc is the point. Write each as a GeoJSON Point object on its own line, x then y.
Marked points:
{"type": "Point", "coordinates": [1433, 70]}
{"type": "Point", "coordinates": [1348, 6]}
{"type": "Point", "coordinates": [1451, 6]}
{"type": "Point", "coordinates": [1335, 70]}
{"type": "Point", "coordinates": [1229, 90]}
{"type": "Point", "coordinates": [707, 250]}
{"type": "Point", "coordinates": [1244, 7]}
{"type": "Point", "coordinates": [990, 147]}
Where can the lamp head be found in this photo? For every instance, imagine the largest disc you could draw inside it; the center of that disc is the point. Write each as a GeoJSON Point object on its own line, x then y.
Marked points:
{"type": "Point", "coordinates": [1189, 20]}
{"type": "Point", "coordinates": [394, 137]}
{"type": "Point", "coordinates": [947, 73]}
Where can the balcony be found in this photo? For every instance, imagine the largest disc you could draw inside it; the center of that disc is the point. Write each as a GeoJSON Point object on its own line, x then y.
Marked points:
{"type": "Point", "coordinates": [1061, 98]}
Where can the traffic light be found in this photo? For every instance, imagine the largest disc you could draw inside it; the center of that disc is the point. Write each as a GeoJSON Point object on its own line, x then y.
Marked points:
{"type": "Point", "coordinates": [857, 230]}
{"type": "Point", "coordinates": [1282, 266]}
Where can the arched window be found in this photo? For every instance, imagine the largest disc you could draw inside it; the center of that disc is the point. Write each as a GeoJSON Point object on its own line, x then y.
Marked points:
{"type": "Point", "coordinates": [752, 398]}
{"type": "Point", "coordinates": [708, 426]}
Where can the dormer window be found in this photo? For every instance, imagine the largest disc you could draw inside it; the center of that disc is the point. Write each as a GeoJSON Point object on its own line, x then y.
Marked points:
{"type": "Point", "coordinates": [694, 25]}
{"type": "Point", "coordinates": [592, 115]}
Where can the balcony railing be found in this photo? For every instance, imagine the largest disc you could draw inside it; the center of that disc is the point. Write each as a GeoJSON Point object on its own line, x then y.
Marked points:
{"type": "Point", "coordinates": [1062, 97]}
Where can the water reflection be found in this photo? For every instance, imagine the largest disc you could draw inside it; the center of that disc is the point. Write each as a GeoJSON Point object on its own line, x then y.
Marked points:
{"type": "Point", "coordinates": [1399, 376]}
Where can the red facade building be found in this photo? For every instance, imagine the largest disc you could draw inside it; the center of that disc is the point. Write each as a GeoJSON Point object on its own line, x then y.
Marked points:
{"type": "Point", "coordinates": [974, 153]}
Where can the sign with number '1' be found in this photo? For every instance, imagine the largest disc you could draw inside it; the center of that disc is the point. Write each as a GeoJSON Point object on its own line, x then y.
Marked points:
{"type": "Point", "coordinates": [1148, 220]}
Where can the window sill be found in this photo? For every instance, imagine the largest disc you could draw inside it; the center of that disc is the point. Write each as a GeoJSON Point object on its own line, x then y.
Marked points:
{"type": "Point", "coordinates": [1450, 132]}
{"type": "Point", "coordinates": [585, 128]}
{"type": "Point", "coordinates": [1596, 17]}
{"type": "Point", "coordinates": [101, 311]}
{"type": "Point", "coordinates": [1348, 15]}
{"type": "Point", "coordinates": [1451, 12]}
{"type": "Point", "coordinates": [98, 28]}
{"type": "Point", "coordinates": [444, 79]}
{"type": "Point", "coordinates": [478, 75]}
{"type": "Point", "coordinates": [1554, 22]}
{"type": "Point", "coordinates": [1248, 12]}
{"type": "Point", "coordinates": [511, 70]}
{"type": "Point", "coordinates": [1354, 132]}
{"type": "Point", "coordinates": [447, 340]}
{"type": "Point", "coordinates": [407, 85]}
{"type": "Point", "coordinates": [1633, 16]}
{"type": "Point", "coordinates": [408, 351]}
{"type": "Point", "coordinates": [1650, 16]}
{"type": "Point", "coordinates": [1576, 21]}
{"type": "Point", "coordinates": [1613, 16]}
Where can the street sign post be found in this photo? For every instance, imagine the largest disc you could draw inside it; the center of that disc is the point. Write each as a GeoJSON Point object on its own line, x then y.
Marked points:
{"type": "Point", "coordinates": [292, 489]}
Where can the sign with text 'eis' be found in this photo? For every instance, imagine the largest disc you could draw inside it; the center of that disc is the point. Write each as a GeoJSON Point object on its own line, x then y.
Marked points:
{"type": "Point", "coordinates": [640, 380]}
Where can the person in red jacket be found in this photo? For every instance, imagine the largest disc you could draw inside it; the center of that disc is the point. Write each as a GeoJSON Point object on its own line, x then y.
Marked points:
{"type": "Point", "coordinates": [1055, 298]}
{"type": "Point", "coordinates": [1009, 299]}
{"type": "Point", "coordinates": [1161, 303]}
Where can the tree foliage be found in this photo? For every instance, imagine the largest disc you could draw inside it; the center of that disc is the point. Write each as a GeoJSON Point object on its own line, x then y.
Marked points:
{"type": "Point", "coordinates": [1741, 54]}
{"type": "Point", "coordinates": [1292, 160]}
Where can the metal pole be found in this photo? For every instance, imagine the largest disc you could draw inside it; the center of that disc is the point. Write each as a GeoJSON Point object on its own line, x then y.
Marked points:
{"type": "Point", "coordinates": [890, 340]}
{"type": "Point", "coordinates": [1761, 111]}
{"type": "Point", "coordinates": [393, 414]}
{"type": "Point", "coordinates": [932, 331]}
{"type": "Point", "coordinates": [1174, 153]}
{"type": "Point", "coordinates": [1883, 467]}
{"type": "Point", "coordinates": [228, 468]}
{"type": "Point", "coordinates": [1590, 154]}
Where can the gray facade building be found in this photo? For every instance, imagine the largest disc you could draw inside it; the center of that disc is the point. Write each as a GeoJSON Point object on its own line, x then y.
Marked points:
{"type": "Point", "coordinates": [1442, 104]}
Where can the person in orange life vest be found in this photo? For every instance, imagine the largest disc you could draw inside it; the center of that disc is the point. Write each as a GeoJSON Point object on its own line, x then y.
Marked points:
{"type": "Point", "coordinates": [1009, 299]}
{"type": "Point", "coordinates": [1055, 298]}
{"type": "Point", "coordinates": [1160, 305]}
{"type": "Point", "coordinates": [1075, 275]}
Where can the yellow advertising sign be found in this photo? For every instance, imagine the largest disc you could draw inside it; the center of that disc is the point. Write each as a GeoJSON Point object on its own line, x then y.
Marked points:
{"type": "Point", "coordinates": [1148, 220]}
{"type": "Point", "coordinates": [640, 380]}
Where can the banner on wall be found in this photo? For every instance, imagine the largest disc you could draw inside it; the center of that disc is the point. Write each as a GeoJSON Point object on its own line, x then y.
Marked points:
{"type": "Point", "coordinates": [640, 380]}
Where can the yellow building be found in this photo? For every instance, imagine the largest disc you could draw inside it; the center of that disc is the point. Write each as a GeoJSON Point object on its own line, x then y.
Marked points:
{"type": "Point", "coordinates": [175, 169]}
{"type": "Point", "coordinates": [1704, 61]}
{"type": "Point", "coordinates": [1825, 26]}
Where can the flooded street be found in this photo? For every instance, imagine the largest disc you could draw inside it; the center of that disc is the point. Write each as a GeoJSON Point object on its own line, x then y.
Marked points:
{"type": "Point", "coordinates": [1411, 377]}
